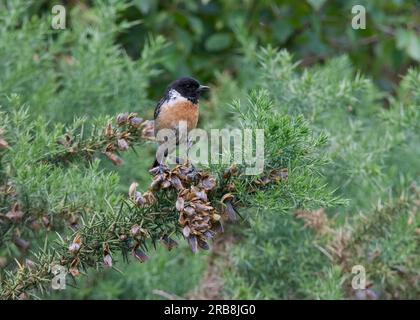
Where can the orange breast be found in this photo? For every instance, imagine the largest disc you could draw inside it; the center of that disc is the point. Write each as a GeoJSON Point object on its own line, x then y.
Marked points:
{"type": "Point", "coordinates": [171, 114]}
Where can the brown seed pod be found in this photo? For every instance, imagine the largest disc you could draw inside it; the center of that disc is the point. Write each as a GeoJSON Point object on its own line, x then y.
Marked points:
{"type": "Point", "coordinates": [200, 194]}
{"type": "Point", "coordinates": [208, 183]}
{"type": "Point", "coordinates": [192, 241]}
{"type": "Point", "coordinates": [201, 207]}
{"type": "Point", "coordinates": [139, 199]}
{"type": "Point", "coordinates": [107, 256]}
{"type": "Point", "coordinates": [45, 221]}
{"type": "Point", "coordinates": [108, 261]}
{"type": "Point", "coordinates": [67, 141]}
{"type": "Point", "coordinates": [227, 197]}
{"type": "Point", "coordinates": [23, 296]}
{"type": "Point", "coordinates": [15, 214]}
{"type": "Point", "coordinates": [182, 220]}
{"type": "Point", "coordinates": [158, 170]}
{"type": "Point", "coordinates": [203, 244]}
{"type": "Point", "coordinates": [186, 194]}
{"type": "Point", "coordinates": [109, 131]}
{"type": "Point", "coordinates": [157, 180]}
{"type": "Point", "coordinates": [74, 271]}
{"type": "Point", "coordinates": [189, 211]}
{"type": "Point", "coordinates": [148, 131]}
{"type": "Point", "coordinates": [232, 170]}
{"type": "Point", "coordinates": [125, 135]}
{"type": "Point", "coordinates": [22, 244]}
{"type": "Point", "coordinates": [122, 118]}
{"type": "Point", "coordinates": [165, 184]}
{"type": "Point", "coordinates": [168, 242]}
{"type": "Point", "coordinates": [209, 234]}
{"type": "Point", "coordinates": [73, 220]}
{"type": "Point", "coordinates": [74, 247]}
{"type": "Point", "coordinates": [114, 158]}
{"type": "Point", "coordinates": [176, 182]}
{"type": "Point", "coordinates": [132, 190]}
{"type": "Point", "coordinates": [136, 122]}
{"type": "Point", "coordinates": [140, 255]}
{"type": "Point", "coordinates": [227, 206]}
{"type": "Point", "coordinates": [122, 144]}
{"type": "Point", "coordinates": [263, 181]}
{"type": "Point", "coordinates": [76, 244]}
{"type": "Point", "coordinates": [180, 204]}
{"type": "Point", "coordinates": [110, 147]}
{"type": "Point", "coordinates": [135, 230]}
{"type": "Point", "coordinates": [186, 231]}
{"type": "Point", "coordinates": [229, 210]}
{"type": "Point", "coordinates": [149, 197]}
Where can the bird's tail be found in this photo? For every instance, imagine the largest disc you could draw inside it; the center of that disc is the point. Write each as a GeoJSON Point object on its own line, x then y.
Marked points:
{"type": "Point", "coordinates": [157, 163]}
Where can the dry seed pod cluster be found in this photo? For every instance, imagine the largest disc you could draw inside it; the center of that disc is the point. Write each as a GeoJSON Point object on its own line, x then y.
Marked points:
{"type": "Point", "coordinates": [197, 216]}
{"type": "Point", "coordinates": [15, 214]}
{"type": "Point", "coordinates": [74, 249]}
{"type": "Point", "coordinates": [131, 127]}
{"type": "Point", "coordinates": [137, 125]}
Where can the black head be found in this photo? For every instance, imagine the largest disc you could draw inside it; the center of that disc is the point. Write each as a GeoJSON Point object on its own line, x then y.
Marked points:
{"type": "Point", "coordinates": [189, 88]}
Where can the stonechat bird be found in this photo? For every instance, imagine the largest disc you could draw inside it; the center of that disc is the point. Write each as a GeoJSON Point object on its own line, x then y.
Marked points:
{"type": "Point", "coordinates": [178, 105]}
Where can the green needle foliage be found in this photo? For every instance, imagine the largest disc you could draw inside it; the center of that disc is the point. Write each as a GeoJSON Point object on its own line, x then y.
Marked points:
{"type": "Point", "coordinates": [98, 221]}
{"type": "Point", "coordinates": [80, 71]}
{"type": "Point", "coordinates": [373, 155]}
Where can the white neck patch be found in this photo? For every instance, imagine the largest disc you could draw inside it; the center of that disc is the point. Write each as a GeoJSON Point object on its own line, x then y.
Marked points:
{"type": "Point", "coordinates": [174, 95]}
{"type": "Point", "coordinates": [173, 98]}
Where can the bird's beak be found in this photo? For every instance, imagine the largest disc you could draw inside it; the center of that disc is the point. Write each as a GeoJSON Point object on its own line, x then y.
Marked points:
{"type": "Point", "coordinates": [203, 89]}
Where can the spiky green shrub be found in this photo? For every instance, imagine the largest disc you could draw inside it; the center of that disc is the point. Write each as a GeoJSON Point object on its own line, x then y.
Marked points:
{"type": "Point", "coordinates": [373, 153]}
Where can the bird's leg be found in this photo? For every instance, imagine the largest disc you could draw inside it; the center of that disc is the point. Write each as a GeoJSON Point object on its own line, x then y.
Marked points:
{"type": "Point", "coordinates": [160, 166]}
{"type": "Point", "coordinates": [182, 144]}
{"type": "Point", "coordinates": [189, 163]}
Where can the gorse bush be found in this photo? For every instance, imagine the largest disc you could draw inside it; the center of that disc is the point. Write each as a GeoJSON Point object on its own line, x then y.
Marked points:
{"type": "Point", "coordinates": [100, 222]}
{"type": "Point", "coordinates": [339, 187]}
{"type": "Point", "coordinates": [79, 71]}
{"type": "Point", "coordinates": [364, 141]}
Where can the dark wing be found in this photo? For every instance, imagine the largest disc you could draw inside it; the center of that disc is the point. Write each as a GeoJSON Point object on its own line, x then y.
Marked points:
{"type": "Point", "coordinates": [160, 103]}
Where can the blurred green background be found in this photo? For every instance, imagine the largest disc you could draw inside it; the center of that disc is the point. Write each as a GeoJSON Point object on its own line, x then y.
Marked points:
{"type": "Point", "coordinates": [119, 56]}
{"type": "Point", "coordinates": [204, 34]}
